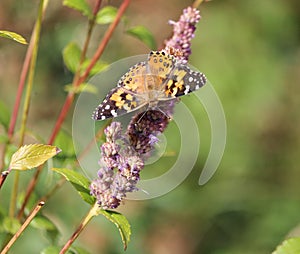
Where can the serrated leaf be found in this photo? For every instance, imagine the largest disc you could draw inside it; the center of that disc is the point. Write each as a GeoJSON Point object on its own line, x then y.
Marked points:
{"type": "Point", "coordinates": [144, 35]}
{"type": "Point", "coordinates": [71, 56]}
{"type": "Point", "coordinates": [121, 222]}
{"type": "Point", "coordinates": [79, 182]}
{"type": "Point", "coordinates": [13, 36]}
{"type": "Point", "coordinates": [106, 15]}
{"type": "Point", "coordinates": [5, 115]}
{"type": "Point", "coordinates": [84, 87]}
{"type": "Point", "coordinates": [289, 246]}
{"type": "Point", "coordinates": [31, 156]}
{"type": "Point", "coordinates": [11, 225]}
{"type": "Point", "coordinates": [79, 5]}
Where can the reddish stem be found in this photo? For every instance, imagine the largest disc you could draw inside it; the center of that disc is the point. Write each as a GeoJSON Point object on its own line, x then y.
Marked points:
{"type": "Point", "coordinates": [3, 176]}
{"type": "Point", "coordinates": [101, 47]}
{"type": "Point", "coordinates": [22, 80]}
{"type": "Point", "coordinates": [70, 97]}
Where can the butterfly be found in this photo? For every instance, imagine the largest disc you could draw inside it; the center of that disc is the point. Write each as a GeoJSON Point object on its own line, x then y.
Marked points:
{"type": "Point", "coordinates": [161, 78]}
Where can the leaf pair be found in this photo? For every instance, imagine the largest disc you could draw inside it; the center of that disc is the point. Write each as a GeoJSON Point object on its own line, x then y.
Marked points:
{"type": "Point", "coordinates": [107, 15]}
{"type": "Point", "coordinates": [82, 186]}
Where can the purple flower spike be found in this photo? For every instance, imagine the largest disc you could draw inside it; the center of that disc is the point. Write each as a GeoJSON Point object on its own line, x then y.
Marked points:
{"type": "Point", "coordinates": [183, 32]}
{"type": "Point", "coordinates": [119, 171]}
{"type": "Point", "coordinates": [123, 155]}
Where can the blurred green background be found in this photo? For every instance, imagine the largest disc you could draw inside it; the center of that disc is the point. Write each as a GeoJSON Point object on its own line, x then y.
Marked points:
{"type": "Point", "coordinates": [250, 52]}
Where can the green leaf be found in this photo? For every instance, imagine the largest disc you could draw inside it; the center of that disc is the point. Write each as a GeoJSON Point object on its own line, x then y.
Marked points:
{"type": "Point", "coordinates": [99, 66]}
{"type": "Point", "coordinates": [121, 222]}
{"type": "Point", "coordinates": [106, 15]}
{"type": "Point", "coordinates": [71, 56]}
{"type": "Point", "coordinates": [79, 182]}
{"type": "Point", "coordinates": [4, 139]}
{"type": "Point", "coordinates": [77, 250]}
{"type": "Point", "coordinates": [84, 87]}
{"type": "Point", "coordinates": [13, 36]}
{"type": "Point", "coordinates": [144, 35]}
{"type": "Point", "coordinates": [79, 5]}
{"type": "Point", "coordinates": [43, 223]}
{"type": "Point", "coordinates": [5, 115]}
{"type": "Point", "coordinates": [289, 246]}
{"type": "Point", "coordinates": [31, 156]}
{"type": "Point", "coordinates": [51, 250]}
{"type": "Point", "coordinates": [11, 225]}
{"type": "Point", "coordinates": [65, 142]}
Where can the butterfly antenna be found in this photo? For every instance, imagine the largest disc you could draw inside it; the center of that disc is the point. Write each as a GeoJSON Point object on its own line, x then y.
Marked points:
{"type": "Point", "coordinates": [164, 113]}
{"type": "Point", "coordinates": [144, 113]}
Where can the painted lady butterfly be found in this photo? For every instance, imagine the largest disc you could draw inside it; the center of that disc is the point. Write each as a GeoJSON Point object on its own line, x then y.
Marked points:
{"type": "Point", "coordinates": [160, 78]}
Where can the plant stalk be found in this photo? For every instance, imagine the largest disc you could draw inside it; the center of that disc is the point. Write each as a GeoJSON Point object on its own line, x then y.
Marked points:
{"type": "Point", "coordinates": [23, 227]}
{"type": "Point", "coordinates": [35, 42]}
{"type": "Point", "coordinates": [92, 212]}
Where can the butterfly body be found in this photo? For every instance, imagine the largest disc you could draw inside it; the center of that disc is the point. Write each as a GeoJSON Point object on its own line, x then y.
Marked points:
{"type": "Point", "coordinates": [158, 79]}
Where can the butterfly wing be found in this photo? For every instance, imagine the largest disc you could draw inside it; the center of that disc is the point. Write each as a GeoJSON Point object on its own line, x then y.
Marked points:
{"type": "Point", "coordinates": [126, 97]}
{"type": "Point", "coordinates": [159, 66]}
{"type": "Point", "coordinates": [183, 80]}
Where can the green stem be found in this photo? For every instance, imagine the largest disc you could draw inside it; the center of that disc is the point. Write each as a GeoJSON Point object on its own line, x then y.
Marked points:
{"type": "Point", "coordinates": [64, 110]}
{"type": "Point", "coordinates": [35, 42]}
{"type": "Point", "coordinates": [92, 212]}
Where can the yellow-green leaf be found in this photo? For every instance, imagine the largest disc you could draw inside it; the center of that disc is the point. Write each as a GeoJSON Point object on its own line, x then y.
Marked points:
{"type": "Point", "coordinates": [31, 156]}
{"type": "Point", "coordinates": [98, 67]}
{"type": "Point", "coordinates": [144, 35]}
{"type": "Point", "coordinates": [10, 225]}
{"type": "Point", "coordinates": [106, 15]}
{"type": "Point", "coordinates": [289, 246]}
{"type": "Point", "coordinates": [121, 222]}
{"type": "Point", "coordinates": [13, 36]}
{"type": "Point", "coordinates": [79, 5]}
{"type": "Point", "coordinates": [84, 87]}
{"type": "Point", "coordinates": [71, 56]}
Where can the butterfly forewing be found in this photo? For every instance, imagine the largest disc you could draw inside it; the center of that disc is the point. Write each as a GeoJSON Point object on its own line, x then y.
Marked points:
{"type": "Point", "coordinates": [133, 78]}
{"type": "Point", "coordinates": [159, 66]}
{"type": "Point", "coordinates": [183, 80]}
{"type": "Point", "coordinates": [159, 79]}
{"type": "Point", "coordinates": [119, 101]}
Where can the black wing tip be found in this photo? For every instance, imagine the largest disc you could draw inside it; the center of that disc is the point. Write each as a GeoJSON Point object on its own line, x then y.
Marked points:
{"type": "Point", "coordinates": [97, 115]}
{"type": "Point", "coordinates": [203, 78]}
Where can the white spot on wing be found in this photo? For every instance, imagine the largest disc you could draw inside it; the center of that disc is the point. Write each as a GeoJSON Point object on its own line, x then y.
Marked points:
{"type": "Point", "coordinates": [114, 113]}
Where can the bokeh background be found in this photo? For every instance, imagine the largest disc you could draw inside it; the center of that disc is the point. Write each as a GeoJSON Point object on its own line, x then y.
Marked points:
{"type": "Point", "coordinates": [250, 52]}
